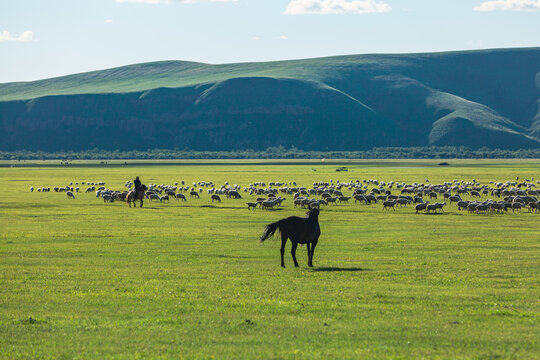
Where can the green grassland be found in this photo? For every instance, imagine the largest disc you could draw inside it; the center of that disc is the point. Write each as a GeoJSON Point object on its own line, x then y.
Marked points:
{"type": "Point", "coordinates": [81, 279]}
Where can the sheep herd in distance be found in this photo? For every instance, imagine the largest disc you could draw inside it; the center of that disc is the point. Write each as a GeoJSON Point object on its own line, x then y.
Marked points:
{"type": "Point", "coordinates": [472, 196]}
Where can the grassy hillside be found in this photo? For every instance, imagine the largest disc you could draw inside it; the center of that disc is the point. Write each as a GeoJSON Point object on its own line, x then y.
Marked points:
{"type": "Point", "coordinates": [472, 98]}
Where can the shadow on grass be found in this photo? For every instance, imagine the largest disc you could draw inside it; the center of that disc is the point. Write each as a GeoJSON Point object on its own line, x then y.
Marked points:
{"type": "Point", "coordinates": [232, 207]}
{"type": "Point", "coordinates": [339, 269]}
{"type": "Point", "coordinates": [229, 256]}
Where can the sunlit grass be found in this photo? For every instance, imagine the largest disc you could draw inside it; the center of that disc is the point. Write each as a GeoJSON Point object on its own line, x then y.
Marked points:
{"type": "Point", "coordinates": [84, 279]}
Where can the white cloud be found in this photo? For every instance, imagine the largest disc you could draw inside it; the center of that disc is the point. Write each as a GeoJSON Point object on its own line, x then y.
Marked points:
{"type": "Point", "coordinates": [26, 36]}
{"type": "Point", "coordinates": [255, 38]}
{"type": "Point", "coordinates": [202, 1]}
{"type": "Point", "coordinates": [108, 21]}
{"type": "Point", "coordinates": [284, 37]}
{"type": "Point", "coordinates": [144, 1]}
{"type": "Point", "coordinates": [296, 7]}
{"type": "Point", "coordinates": [513, 5]}
{"type": "Point", "coordinates": [172, 1]}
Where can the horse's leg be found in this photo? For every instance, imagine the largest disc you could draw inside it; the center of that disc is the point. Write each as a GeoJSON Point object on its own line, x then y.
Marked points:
{"type": "Point", "coordinates": [283, 242]}
{"type": "Point", "coordinates": [313, 244]}
{"type": "Point", "coordinates": [293, 252]}
{"type": "Point", "coordinates": [141, 202]}
{"type": "Point", "coordinates": [308, 245]}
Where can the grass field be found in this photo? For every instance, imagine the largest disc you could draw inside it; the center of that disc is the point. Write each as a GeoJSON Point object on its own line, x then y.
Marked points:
{"type": "Point", "coordinates": [83, 279]}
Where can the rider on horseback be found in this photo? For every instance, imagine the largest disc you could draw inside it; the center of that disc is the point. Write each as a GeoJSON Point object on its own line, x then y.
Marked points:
{"type": "Point", "coordinates": [137, 184]}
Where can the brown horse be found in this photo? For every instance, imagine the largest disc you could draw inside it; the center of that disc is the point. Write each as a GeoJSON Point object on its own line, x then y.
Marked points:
{"type": "Point", "coordinates": [130, 197]}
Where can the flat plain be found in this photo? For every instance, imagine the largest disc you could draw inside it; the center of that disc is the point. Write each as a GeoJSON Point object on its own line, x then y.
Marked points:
{"type": "Point", "coordinates": [83, 279]}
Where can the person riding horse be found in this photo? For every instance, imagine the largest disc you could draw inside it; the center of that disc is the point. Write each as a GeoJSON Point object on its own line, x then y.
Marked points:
{"type": "Point", "coordinates": [137, 184]}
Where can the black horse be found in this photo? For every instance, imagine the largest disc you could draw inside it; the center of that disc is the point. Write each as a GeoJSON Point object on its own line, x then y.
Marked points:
{"type": "Point", "coordinates": [300, 231]}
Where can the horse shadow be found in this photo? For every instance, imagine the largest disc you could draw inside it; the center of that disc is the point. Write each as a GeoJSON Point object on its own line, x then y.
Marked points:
{"type": "Point", "coordinates": [339, 269]}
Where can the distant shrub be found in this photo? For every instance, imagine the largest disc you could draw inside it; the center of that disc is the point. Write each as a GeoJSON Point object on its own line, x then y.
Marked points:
{"type": "Point", "coordinates": [432, 152]}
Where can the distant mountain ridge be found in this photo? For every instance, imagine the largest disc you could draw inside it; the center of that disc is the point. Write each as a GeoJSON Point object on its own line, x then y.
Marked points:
{"type": "Point", "coordinates": [472, 98]}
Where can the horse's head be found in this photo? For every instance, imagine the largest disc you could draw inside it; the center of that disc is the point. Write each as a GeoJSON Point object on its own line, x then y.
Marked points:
{"type": "Point", "coordinates": [143, 187]}
{"type": "Point", "coordinates": [313, 213]}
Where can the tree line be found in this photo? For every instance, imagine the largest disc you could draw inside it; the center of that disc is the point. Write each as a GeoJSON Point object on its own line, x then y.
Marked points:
{"type": "Point", "coordinates": [445, 152]}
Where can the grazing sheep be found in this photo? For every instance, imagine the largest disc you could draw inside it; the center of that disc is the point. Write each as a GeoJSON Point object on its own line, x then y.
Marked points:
{"type": "Point", "coordinates": [418, 200]}
{"type": "Point", "coordinates": [252, 205]}
{"type": "Point", "coordinates": [482, 208]}
{"type": "Point", "coordinates": [180, 196]}
{"type": "Point", "coordinates": [499, 207]}
{"type": "Point", "coordinates": [371, 198]}
{"type": "Point", "coordinates": [516, 206]}
{"type": "Point", "coordinates": [216, 198]}
{"type": "Point", "coordinates": [344, 199]}
{"type": "Point", "coordinates": [462, 205]}
{"type": "Point", "coordinates": [70, 195]}
{"type": "Point", "coordinates": [154, 197]}
{"type": "Point", "coordinates": [421, 207]}
{"type": "Point", "coordinates": [440, 206]}
{"type": "Point", "coordinates": [267, 204]}
{"type": "Point", "coordinates": [403, 201]}
{"type": "Point", "coordinates": [331, 200]}
{"type": "Point", "coordinates": [31, 189]}
{"type": "Point", "coordinates": [194, 193]}
{"type": "Point", "coordinates": [296, 202]}
{"type": "Point", "coordinates": [360, 197]}
{"type": "Point", "coordinates": [234, 194]}
{"type": "Point", "coordinates": [389, 204]}
{"type": "Point", "coordinates": [108, 198]}
{"type": "Point", "coordinates": [471, 207]}
{"type": "Point", "coordinates": [454, 198]}
{"type": "Point", "coordinates": [164, 197]}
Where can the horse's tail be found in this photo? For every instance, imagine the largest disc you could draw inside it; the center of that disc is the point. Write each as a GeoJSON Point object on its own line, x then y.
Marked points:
{"type": "Point", "coordinates": [270, 230]}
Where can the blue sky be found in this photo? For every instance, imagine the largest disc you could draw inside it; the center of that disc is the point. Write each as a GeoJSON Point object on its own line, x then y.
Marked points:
{"type": "Point", "coordinates": [46, 38]}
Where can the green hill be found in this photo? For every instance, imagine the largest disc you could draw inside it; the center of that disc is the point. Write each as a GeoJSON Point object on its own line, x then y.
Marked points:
{"type": "Point", "coordinates": [472, 98]}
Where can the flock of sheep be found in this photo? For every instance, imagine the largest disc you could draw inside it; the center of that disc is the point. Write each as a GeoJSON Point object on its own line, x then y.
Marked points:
{"type": "Point", "coordinates": [499, 196]}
